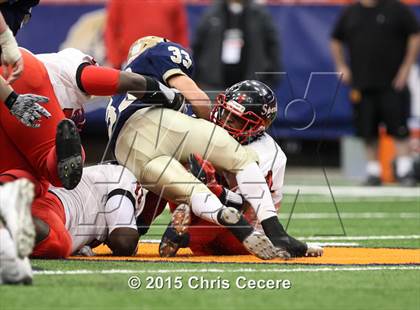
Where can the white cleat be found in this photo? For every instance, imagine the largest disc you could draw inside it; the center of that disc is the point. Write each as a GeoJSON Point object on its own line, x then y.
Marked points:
{"type": "Point", "coordinates": [13, 270]}
{"type": "Point", "coordinates": [259, 245]}
{"type": "Point", "coordinates": [15, 212]}
{"type": "Point", "coordinates": [314, 250]}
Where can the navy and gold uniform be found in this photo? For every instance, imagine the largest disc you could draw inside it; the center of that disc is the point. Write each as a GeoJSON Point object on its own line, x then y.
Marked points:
{"type": "Point", "coordinates": [152, 56]}
{"type": "Point", "coordinates": [154, 142]}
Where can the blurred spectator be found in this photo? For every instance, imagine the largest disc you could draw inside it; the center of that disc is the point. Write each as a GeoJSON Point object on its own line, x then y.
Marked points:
{"type": "Point", "coordinates": [235, 40]}
{"type": "Point", "coordinates": [129, 20]}
{"type": "Point", "coordinates": [383, 42]}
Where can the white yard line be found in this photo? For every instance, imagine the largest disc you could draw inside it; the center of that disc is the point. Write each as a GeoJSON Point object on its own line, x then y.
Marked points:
{"type": "Point", "coordinates": [353, 191]}
{"type": "Point", "coordinates": [240, 270]}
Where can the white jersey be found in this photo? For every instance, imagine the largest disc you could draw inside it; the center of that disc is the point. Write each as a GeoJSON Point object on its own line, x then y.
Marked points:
{"type": "Point", "coordinates": [62, 68]}
{"type": "Point", "coordinates": [272, 162]}
{"type": "Point", "coordinates": [101, 202]}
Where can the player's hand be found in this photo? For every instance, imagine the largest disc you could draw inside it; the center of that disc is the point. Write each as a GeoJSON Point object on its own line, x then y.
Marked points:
{"type": "Point", "coordinates": [400, 80]}
{"type": "Point", "coordinates": [17, 70]}
{"type": "Point", "coordinates": [346, 74]}
{"type": "Point", "coordinates": [178, 101]}
{"type": "Point", "coordinates": [202, 169]}
{"type": "Point", "coordinates": [206, 173]}
{"type": "Point", "coordinates": [27, 109]}
{"type": "Point", "coordinates": [157, 93]}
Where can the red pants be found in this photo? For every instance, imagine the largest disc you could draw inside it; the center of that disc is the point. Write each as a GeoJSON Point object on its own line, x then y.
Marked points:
{"type": "Point", "coordinates": [58, 244]}
{"type": "Point", "coordinates": [31, 149]}
{"type": "Point", "coordinates": [210, 239]}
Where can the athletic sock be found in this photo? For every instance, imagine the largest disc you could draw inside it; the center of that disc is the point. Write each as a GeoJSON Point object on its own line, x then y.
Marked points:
{"type": "Point", "coordinates": [279, 237]}
{"type": "Point", "coordinates": [206, 206]}
{"type": "Point", "coordinates": [253, 186]}
{"type": "Point", "coordinates": [373, 168]}
{"type": "Point", "coordinates": [404, 166]}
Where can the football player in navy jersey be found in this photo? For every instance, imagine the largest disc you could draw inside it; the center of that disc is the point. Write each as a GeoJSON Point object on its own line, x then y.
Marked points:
{"type": "Point", "coordinates": [154, 143]}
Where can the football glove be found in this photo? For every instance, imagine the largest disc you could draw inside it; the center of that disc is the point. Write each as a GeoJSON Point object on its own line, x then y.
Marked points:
{"type": "Point", "coordinates": [27, 109]}
{"type": "Point", "coordinates": [157, 93]}
{"type": "Point", "coordinates": [206, 173]}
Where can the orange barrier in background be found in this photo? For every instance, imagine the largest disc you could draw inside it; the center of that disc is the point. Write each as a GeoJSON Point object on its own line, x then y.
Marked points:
{"type": "Point", "coordinates": [386, 154]}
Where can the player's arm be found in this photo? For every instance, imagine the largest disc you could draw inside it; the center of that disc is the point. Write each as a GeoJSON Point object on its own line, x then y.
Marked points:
{"type": "Point", "coordinates": [102, 81]}
{"type": "Point", "coordinates": [337, 51]}
{"type": "Point", "coordinates": [123, 235]}
{"type": "Point", "coordinates": [199, 100]}
{"type": "Point", "coordinates": [11, 55]}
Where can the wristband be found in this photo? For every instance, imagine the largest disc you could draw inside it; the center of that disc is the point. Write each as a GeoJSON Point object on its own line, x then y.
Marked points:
{"type": "Point", "coordinates": [11, 99]}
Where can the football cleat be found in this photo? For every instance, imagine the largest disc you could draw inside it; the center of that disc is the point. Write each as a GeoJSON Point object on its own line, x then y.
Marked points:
{"type": "Point", "coordinates": [13, 270]}
{"type": "Point", "coordinates": [69, 154]}
{"type": "Point", "coordinates": [259, 245]}
{"type": "Point", "coordinates": [176, 235]}
{"type": "Point", "coordinates": [314, 250]}
{"type": "Point", "coordinates": [15, 213]}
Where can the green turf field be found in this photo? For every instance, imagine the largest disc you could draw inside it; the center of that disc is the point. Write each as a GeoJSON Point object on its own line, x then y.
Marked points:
{"type": "Point", "coordinates": [373, 222]}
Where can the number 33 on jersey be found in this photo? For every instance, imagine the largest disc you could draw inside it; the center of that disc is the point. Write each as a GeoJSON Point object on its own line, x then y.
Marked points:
{"type": "Point", "coordinates": [152, 56]}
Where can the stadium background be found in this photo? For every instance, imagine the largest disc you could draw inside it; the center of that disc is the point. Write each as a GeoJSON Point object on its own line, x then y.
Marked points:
{"type": "Point", "coordinates": [309, 87]}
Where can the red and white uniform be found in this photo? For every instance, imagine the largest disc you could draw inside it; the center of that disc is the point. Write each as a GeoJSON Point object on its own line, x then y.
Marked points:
{"type": "Point", "coordinates": [209, 239]}
{"type": "Point", "coordinates": [62, 70]}
{"type": "Point", "coordinates": [272, 162]}
{"type": "Point", "coordinates": [66, 78]}
{"type": "Point", "coordinates": [107, 197]}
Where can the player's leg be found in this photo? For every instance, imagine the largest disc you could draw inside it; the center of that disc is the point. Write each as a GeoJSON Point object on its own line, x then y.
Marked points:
{"type": "Point", "coordinates": [167, 177]}
{"type": "Point", "coordinates": [16, 232]}
{"type": "Point", "coordinates": [40, 186]}
{"type": "Point", "coordinates": [52, 238]}
{"type": "Point", "coordinates": [53, 150]}
{"type": "Point", "coordinates": [13, 269]}
{"type": "Point", "coordinates": [202, 235]}
{"type": "Point", "coordinates": [366, 115]}
{"type": "Point", "coordinates": [13, 166]}
{"type": "Point", "coordinates": [395, 112]}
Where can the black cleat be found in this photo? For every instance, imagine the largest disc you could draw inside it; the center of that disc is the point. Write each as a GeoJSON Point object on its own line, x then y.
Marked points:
{"type": "Point", "coordinates": [68, 147]}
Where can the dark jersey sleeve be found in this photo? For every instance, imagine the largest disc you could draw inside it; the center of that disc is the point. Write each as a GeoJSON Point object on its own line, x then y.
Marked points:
{"type": "Point", "coordinates": [408, 20]}
{"type": "Point", "coordinates": [169, 59]}
{"type": "Point", "coordinates": [339, 31]}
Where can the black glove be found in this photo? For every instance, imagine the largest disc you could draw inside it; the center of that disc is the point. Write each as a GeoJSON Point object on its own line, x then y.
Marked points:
{"type": "Point", "coordinates": [157, 93]}
{"type": "Point", "coordinates": [27, 109]}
